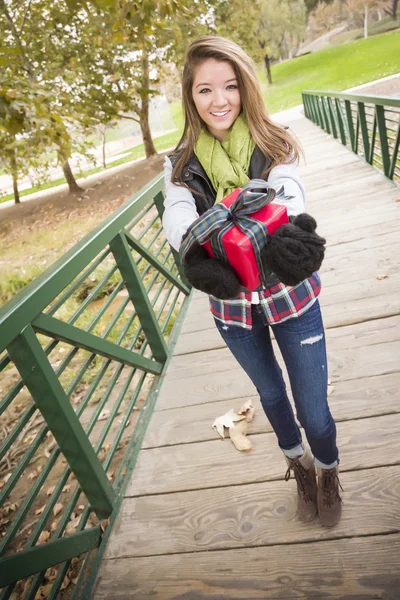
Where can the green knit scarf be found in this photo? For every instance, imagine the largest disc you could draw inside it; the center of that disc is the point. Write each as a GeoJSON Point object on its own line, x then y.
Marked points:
{"type": "Point", "coordinates": [226, 163]}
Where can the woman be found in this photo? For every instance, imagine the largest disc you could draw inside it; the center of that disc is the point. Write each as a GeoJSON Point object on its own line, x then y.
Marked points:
{"type": "Point", "coordinates": [229, 139]}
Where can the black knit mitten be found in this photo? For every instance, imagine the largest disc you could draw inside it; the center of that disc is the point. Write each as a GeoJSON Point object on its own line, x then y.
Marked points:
{"type": "Point", "coordinates": [210, 275]}
{"type": "Point", "coordinates": [295, 250]}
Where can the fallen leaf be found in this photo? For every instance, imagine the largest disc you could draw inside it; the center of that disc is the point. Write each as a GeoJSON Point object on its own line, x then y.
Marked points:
{"type": "Point", "coordinates": [66, 488]}
{"type": "Point", "coordinates": [50, 490]}
{"type": "Point", "coordinates": [33, 475]}
{"type": "Point", "coordinates": [227, 420]}
{"type": "Point", "coordinates": [384, 276]}
{"type": "Point", "coordinates": [54, 524]}
{"type": "Point", "coordinates": [237, 434]}
{"type": "Point", "coordinates": [104, 414]}
{"type": "Point", "coordinates": [57, 509]}
{"type": "Point", "coordinates": [44, 536]}
{"type": "Point", "coordinates": [43, 592]}
{"type": "Point", "coordinates": [247, 410]}
{"type": "Point", "coordinates": [81, 507]}
{"type": "Point", "coordinates": [40, 510]}
{"type": "Point", "coordinates": [65, 583]}
{"type": "Point", "coordinates": [51, 575]}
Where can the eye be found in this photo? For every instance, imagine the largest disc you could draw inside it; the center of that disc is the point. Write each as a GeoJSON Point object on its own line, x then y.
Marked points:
{"type": "Point", "coordinates": [204, 90]}
{"type": "Point", "coordinates": [232, 86]}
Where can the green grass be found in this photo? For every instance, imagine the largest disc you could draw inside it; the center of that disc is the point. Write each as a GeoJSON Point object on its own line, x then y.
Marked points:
{"type": "Point", "coordinates": [333, 69]}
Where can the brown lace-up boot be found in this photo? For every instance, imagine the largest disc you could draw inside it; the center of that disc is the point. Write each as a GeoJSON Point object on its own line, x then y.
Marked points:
{"type": "Point", "coordinates": [304, 474]}
{"type": "Point", "coordinates": [329, 500]}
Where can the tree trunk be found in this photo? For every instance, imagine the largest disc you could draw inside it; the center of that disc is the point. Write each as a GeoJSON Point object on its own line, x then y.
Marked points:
{"type": "Point", "coordinates": [365, 21]}
{"type": "Point", "coordinates": [74, 188]}
{"type": "Point", "coordinates": [144, 114]}
{"type": "Point", "coordinates": [104, 146]}
{"type": "Point", "coordinates": [268, 67]}
{"type": "Point", "coordinates": [15, 188]}
{"type": "Point", "coordinates": [379, 14]}
{"type": "Point", "coordinates": [14, 174]}
{"type": "Point", "coordinates": [391, 9]}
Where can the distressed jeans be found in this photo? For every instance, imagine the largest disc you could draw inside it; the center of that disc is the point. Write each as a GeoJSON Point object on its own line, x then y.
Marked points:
{"type": "Point", "coordinates": [301, 341]}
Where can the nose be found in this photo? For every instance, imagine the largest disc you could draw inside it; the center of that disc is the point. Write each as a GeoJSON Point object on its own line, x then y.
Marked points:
{"type": "Point", "coordinates": [219, 100]}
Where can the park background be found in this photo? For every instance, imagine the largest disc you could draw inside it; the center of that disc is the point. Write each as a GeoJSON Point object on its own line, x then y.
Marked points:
{"type": "Point", "coordinates": [90, 94]}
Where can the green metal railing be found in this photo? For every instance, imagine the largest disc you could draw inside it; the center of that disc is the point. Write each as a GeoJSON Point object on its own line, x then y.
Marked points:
{"type": "Point", "coordinates": [368, 125]}
{"type": "Point", "coordinates": [82, 350]}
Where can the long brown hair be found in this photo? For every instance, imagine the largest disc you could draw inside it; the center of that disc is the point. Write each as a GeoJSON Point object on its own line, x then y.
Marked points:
{"type": "Point", "coordinates": [272, 139]}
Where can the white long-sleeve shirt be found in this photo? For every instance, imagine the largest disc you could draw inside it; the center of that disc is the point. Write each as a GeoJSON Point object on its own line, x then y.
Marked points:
{"type": "Point", "coordinates": [180, 206]}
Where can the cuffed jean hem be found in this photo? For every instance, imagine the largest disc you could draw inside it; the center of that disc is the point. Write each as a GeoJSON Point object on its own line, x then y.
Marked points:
{"type": "Point", "coordinates": [294, 452]}
{"type": "Point", "coordinates": [321, 465]}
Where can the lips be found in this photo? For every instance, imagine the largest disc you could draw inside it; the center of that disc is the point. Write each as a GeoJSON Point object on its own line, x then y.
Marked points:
{"type": "Point", "coordinates": [221, 114]}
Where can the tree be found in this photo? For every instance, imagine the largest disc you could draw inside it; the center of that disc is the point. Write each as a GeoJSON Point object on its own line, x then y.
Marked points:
{"type": "Point", "coordinates": [391, 9]}
{"type": "Point", "coordinates": [26, 124]}
{"type": "Point", "coordinates": [266, 29]}
{"type": "Point", "coordinates": [18, 42]}
{"type": "Point", "coordinates": [357, 12]}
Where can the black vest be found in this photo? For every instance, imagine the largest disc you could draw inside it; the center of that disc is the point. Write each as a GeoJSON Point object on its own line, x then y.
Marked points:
{"type": "Point", "coordinates": [195, 177]}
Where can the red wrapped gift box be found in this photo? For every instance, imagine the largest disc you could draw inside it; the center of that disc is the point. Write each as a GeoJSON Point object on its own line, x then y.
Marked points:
{"type": "Point", "coordinates": [238, 248]}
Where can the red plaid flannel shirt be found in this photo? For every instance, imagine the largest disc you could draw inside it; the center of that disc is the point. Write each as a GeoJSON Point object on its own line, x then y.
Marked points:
{"type": "Point", "coordinates": [278, 303]}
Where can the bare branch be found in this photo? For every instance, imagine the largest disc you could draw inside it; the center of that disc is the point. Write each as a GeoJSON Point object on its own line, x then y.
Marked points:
{"type": "Point", "coordinates": [130, 118]}
{"type": "Point", "coordinates": [25, 15]}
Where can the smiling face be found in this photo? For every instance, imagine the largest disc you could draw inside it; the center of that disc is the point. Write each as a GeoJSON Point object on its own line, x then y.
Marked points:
{"type": "Point", "coordinates": [216, 96]}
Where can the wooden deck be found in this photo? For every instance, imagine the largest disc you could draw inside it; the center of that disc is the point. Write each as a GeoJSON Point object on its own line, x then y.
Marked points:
{"type": "Point", "coordinates": [200, 520]}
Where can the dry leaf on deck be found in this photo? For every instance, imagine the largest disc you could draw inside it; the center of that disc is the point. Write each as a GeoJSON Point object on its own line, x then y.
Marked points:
{"type": "Point", "coordinates": [227, 420]}
{"type": "Point", "coordinates": [384, 276]}
{"type": "Point", "coordinates": [247, 410]}
{"type": "Point", "coordinates": [238, 436]}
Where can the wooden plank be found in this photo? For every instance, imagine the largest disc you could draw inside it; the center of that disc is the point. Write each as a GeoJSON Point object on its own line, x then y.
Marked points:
{"type": "Point", "coordinates": [357, 311]}
{"type": "Point", "coordinates": [360, 398]}
{"type": "Point", "coordinates": [261, 514]}
{"type": "Point", "coordinates": [346, 569]}
{"type": "Point", "coordinates": [233, 382]}
{"type": "Point", "coordinates": [373, 299]}
{"type": "Point", "coordinates": [366, 333]}
{"type": "Point", "coordinates": [193, 342]}
{"type": "Point", "coordinates": [363, 443]}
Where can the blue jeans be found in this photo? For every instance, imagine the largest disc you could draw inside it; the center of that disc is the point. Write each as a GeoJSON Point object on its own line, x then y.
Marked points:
{"type": "Point", "coordinates": [301, 341]}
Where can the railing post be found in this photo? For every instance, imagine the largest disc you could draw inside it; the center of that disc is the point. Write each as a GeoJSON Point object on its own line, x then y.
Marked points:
{"type": "Point", "coordinates": [332, 118]}
{"type": "Point", "coordinates": [364, 128]}
{"type": "Point", "coordinates": [350, 124]}
{"type": "Point", "coordinates": [49, 396]}
{"type": "Point", "coordinates": [340, 120]}
{"type": "Point", "coordinates": [306, 106]}
{"type": "Point", "coordinates": [373, 139]}
{"type": "Point", "coordinates": [380, 118]}
{"type": "Point", "coordinates": [131, 276]}
{"type": "Point", "coordinates": [325, 112]}
{"type": "Point", "coordinates": [394, 155]}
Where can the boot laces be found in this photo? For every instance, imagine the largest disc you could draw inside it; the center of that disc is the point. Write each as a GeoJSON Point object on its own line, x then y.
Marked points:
{"type": "Point", "coordinates": [330, 487]}
{"type": "Point", "coordinates": [300, 475]}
